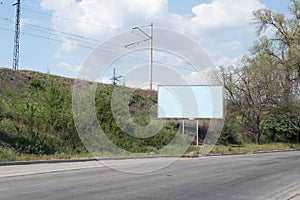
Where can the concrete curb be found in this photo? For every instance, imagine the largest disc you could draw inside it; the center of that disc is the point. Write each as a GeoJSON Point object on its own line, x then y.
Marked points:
{"type": "Point", "coordinates": [45, 161]}
{"type": "Point", "coordinates": [131, 157]}
{"type": "Point", "coordinates": [79, 160]}
{"type": "Point", "coordinates": [257, 152]}
{"type": "Point", "coordinates": [290, 193]}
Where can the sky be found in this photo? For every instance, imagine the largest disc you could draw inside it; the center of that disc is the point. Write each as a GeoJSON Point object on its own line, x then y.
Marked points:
{"type": "Point", "coordinates": [57, 36]}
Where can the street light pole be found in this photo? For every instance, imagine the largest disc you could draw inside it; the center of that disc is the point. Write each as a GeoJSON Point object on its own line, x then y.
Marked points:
{"type": "Point", "coordinates": [149, 37]}
{"type": "Point", "coordinates": [151, 55]}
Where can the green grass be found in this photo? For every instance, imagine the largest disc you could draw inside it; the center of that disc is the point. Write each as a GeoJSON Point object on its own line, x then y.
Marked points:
{"type": "Point", "coordinates": [194, 151]}
{"type": "Point", "coordinates": [8, 155]}
{"type": "Point", "coordinates": [253, 148]}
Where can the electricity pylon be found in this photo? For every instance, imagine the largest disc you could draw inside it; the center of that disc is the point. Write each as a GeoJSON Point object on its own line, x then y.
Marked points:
{"type": "Point", "coordinates": [115, 78]}
{"type": "Point", "coordinates": [17, 36]}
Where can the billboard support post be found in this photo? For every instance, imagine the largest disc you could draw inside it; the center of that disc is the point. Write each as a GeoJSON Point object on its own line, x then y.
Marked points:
{"type": "Point", "coordinates": [197, 131]}
{"type": "Point", "coordinates": [183, 127]}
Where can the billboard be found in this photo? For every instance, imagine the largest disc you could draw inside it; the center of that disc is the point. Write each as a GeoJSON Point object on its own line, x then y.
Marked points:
{"type": "Point", "coordinates": [190, 101]}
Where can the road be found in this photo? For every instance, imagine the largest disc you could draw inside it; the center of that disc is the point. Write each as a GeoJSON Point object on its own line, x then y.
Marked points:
{"type": "Point", "coordinates": [252, 176]}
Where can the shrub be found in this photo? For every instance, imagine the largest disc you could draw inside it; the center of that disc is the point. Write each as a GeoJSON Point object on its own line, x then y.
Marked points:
{"type": "Point", "coordinates": [281, 128]}
{"type": "Point", "coordinates": [35, 83]}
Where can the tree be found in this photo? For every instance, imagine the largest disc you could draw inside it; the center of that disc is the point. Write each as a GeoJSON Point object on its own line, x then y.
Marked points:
{"type": "Point", "coordinates": [268, 82]}
{"type": "Point", "coordinates": [284, 47]}
{"type": "Point", "coordinates": [1, 110]}
{"type": "Point", "coordinates": [252, 91]}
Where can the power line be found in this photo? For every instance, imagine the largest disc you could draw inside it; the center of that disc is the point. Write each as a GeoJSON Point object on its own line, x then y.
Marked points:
{"type": "Point", "coordinates": [73, 20]}
{"type": "Point", "coordinates": [54, 31]}
{"type": "Point", "coordinates": [72, 43]}
{"type": "Point", "coordinates": [92, 48]}
{"type": "Point", "coordinates": [64, 18]}
{"type": "Point", "coordinates": [77, 40]}
{"type": "Point", "coordinates": [64, 33]}
{"type": "Point", "coordinates": [37, 28]}
{"type": "Point", "coordinates": [70, 34]}
{"type": "Point", "coordinates": [66, 42]}
{"type": "Point", "coordinates": [80, 39]}
{"type": "Point", "coordinates": [49, 38]}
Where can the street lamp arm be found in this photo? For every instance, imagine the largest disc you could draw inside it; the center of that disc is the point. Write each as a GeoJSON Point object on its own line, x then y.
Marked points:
{"type": "Point", "coordinates": [149, 37]}
{"type": "Point", "coordinates": [141, 31]}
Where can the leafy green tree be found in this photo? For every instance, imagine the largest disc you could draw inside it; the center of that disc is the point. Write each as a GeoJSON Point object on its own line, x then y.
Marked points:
{"type": "Point", "coordinates": [1, 110]}
{"type": "Point", "coordinates": [284, 47]}
{"type": "Point", "coordinates": [268, 81]}
{"type": "Point", "coordinates": [252, 91]}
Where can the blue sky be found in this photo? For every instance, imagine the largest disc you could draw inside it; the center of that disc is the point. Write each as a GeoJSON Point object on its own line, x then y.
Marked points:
{"type": "Point", "coordinates": [58, 35]}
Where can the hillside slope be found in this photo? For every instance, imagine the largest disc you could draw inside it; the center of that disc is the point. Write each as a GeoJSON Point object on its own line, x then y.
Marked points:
{"type": "Point", "coordinates": [36, 115]}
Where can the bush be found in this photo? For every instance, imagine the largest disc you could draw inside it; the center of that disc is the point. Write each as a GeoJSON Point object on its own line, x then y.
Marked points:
{"type": "Point", "coordinates": [8, 127]}
{"type": "Point", "coordinates": [281, 128]}
{"type": "Point", "coordinates": [229, 134]}
{"type": "Point", "coordinates": [34, 83]}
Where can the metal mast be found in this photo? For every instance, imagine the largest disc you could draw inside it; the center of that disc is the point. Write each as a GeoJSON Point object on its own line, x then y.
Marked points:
{"type": "Point", "coordinates": [17, 36]}
{"type": "Point", "coordinates": [149, 37]}
{"type": "Point", "coordinates": [115, 78]}
{"type": "Point", "coordinates": [151, 55]}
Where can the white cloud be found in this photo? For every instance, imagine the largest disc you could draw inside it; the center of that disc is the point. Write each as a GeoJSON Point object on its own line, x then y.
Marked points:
{"type": "Point", "coordinates": [25, 21]}
{"type": "Point", "coordinates": [204, 77]}
{"type": "Point", "coordinates": [102, 17]}
{"type": "Point", "coordinates": [221, 25]}
{"type": "Point", "coordinates": [194, 78]}
{"type": "Point", "coordinates": [135, 84]}
{"type": "Point", "coordinates": [71, 70]}
{"type": "Point", "coordinates": [114, 15]}
{"type": "Point", "coordinates": [66, 47]}
{"type": "Point", "coordinates": [224, 14]}
{"type": "Point", "coordinates": [227, 61]}
{"type": "Point", "coordinates": [168, 59]}
{"type": "Point", "coordinates": [105, 80]}
{"type": "Point", "coordinates": [232, 45]}
{"type": "Point", "coordinates": [56, 4]}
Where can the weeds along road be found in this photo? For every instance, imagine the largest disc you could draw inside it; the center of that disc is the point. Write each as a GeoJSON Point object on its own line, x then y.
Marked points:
{"type": "Point", "coordinates": [253, 176]}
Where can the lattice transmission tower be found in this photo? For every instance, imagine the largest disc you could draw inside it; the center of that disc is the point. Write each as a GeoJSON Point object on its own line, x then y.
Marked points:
{"type": "Point", "coordinates": [115, 78]}
{"type": "Point", "coordinates": [17, 36]}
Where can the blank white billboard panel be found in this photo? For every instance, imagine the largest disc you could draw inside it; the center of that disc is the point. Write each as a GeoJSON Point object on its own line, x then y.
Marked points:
{"type": "Point", "coordinates": [190, 102]}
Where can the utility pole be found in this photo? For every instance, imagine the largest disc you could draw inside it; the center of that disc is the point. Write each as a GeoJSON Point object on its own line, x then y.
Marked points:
{"type": "Point", "coordinates": [151, 55]}
{"type": "Point", "coordinates": [115, 78]}
{"type": "Point", "coordinates": [149, 37]}
{"type": "Point", "coordinates": [17, 36]}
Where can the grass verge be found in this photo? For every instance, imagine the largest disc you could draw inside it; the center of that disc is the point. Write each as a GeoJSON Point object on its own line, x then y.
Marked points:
{"type": "Point", "coordinates": [7, 155]}
{"type": "Point", "coordinates": [194, 151]}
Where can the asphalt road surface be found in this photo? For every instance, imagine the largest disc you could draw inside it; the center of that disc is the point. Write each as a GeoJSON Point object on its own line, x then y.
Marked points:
{"type": "Point", "coordinates": [253, 176]}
